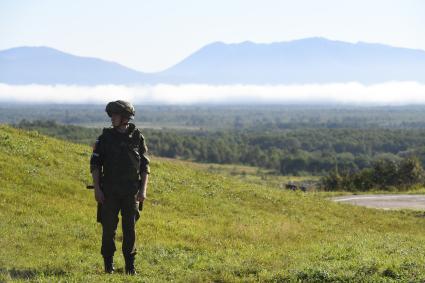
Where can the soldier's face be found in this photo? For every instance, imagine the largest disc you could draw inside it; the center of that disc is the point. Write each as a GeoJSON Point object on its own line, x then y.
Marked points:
{"type": "Point", "coordinates": [116, 120]}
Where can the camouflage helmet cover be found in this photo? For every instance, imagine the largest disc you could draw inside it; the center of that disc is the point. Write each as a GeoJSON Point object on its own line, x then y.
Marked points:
{"type": "Point", "coordinates": [121, 107]}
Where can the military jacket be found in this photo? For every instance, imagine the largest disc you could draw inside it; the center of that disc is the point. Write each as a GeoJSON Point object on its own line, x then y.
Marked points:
{"type": "Point", "coordinates": [121, 158]}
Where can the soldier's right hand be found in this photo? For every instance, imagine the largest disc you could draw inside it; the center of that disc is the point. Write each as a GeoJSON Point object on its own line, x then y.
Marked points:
{"type": "Point", "coordinates": [99, 196]}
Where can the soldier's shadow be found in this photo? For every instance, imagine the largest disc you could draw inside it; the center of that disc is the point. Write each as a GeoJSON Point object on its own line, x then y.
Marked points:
{"type": "Point", "coordinates": [31, 273]}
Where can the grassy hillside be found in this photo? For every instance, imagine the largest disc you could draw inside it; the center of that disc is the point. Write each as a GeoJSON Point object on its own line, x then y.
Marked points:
{"type": "Point", "coordinates": [196, 226]}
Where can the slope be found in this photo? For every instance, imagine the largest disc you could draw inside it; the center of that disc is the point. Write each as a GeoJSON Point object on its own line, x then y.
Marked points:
{"type": "Point", "coordinates": [196, 226]}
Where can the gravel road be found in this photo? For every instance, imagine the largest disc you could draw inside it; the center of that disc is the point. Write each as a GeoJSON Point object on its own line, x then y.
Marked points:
{"type": "Point", "coordinates": [385, 201]}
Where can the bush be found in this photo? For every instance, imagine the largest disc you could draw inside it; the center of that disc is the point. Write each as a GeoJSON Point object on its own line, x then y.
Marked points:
{"type": "Point", "coordinates": [385, 174]}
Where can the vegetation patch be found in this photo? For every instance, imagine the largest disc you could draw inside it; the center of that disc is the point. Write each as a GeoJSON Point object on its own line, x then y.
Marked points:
{"type": "Point", "coordinates": [385, 175]}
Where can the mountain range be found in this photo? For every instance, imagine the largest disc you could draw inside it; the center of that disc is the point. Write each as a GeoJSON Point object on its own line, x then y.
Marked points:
{"type": "Point", "coordinates": [304, 61]}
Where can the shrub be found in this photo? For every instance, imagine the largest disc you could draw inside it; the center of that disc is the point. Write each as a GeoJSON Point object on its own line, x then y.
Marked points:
{"type": "Point", "coordinates": [385, 174]}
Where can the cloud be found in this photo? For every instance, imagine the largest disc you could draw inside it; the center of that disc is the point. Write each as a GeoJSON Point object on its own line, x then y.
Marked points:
{"type": "Point", "coordinates": [390, 93]}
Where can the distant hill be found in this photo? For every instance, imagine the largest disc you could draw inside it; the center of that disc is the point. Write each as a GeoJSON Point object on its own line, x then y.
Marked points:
{"type": "Point", "coordinates": [311, 60]}
{"type": "Point", "coordinates": [43, 65]}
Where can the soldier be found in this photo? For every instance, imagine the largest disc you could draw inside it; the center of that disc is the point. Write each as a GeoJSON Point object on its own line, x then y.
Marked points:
{"type": "Point", "coordinates": [119, 166]}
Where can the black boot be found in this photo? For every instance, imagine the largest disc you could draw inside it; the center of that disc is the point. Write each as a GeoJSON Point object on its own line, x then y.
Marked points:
{"type": "Point", "coordinates": [109, 264]}
{"type": "Point", "coordinates": [129, 265]}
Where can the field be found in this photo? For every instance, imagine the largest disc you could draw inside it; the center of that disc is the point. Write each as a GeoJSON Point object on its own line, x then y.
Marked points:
{"type": "Point", "coordinates": [197, 226]}
{"type": "Point", "coordinates": [256, 175]}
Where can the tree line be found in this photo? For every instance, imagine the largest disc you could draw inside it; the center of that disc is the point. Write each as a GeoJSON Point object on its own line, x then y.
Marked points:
{"type": "Point", "coordinates": [348, 159]}
{"type": "Point", "coordinates": [288, 151]}
{"type": "Point", "coordinates": [297, 152]}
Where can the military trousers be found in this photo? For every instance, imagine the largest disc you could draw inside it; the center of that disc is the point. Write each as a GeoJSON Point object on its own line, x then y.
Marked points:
{"type": "Point", "coordinates": [109, 212]}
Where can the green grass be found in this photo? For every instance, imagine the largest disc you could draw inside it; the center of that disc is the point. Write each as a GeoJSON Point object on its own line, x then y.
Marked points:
{"type": "Point", "coordinates": [196, 226]}
{"type": "Point", "coordinates": [256, 175]}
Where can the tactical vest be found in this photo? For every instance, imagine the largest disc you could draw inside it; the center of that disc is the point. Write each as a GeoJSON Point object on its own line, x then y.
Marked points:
{"type": "Point", "coordinates": [121, 163]}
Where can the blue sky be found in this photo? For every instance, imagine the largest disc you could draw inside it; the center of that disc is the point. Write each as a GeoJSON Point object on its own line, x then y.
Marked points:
{"type": "Point", "coordinates": [153, 35]}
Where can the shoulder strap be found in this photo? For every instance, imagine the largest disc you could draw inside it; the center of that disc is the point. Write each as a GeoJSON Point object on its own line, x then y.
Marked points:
{"type": "Point", "coordinates": [136, 136]}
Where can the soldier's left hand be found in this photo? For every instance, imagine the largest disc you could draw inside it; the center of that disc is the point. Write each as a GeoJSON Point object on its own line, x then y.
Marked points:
{"type": "Point", "coordinates": [141, 197]}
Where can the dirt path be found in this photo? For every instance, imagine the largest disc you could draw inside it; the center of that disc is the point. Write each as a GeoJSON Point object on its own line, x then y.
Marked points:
{"type": "Point", "coordinates": [385, 201]}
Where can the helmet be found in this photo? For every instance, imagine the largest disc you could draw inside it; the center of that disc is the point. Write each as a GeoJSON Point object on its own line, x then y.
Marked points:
{"type": "Point", "coordinates": [121, 107]}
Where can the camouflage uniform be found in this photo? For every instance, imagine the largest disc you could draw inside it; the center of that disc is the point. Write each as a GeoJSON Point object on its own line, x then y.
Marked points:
{"type": "Point", "coordinates": [120, 159]}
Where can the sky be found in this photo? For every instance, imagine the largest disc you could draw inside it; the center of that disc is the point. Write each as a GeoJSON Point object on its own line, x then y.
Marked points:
{"type": "Point", "coordinates": [153, 35]}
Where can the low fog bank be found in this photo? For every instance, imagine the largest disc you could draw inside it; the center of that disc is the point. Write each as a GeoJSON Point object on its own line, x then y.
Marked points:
{"type": "Point", "coordinates": [390, 93]}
